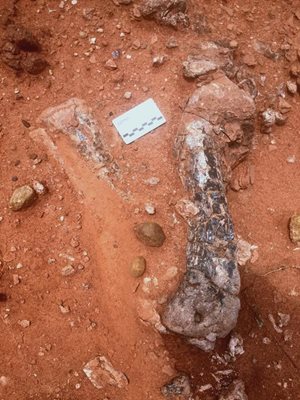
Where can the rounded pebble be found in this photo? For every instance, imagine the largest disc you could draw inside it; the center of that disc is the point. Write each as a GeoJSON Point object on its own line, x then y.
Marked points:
{"type": "Point", "coordinates": [137, 266]}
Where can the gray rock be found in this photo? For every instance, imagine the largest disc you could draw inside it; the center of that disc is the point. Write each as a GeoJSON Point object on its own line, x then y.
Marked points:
{"type": "Point", "coordinates": [150, 233]}
{"type": "Point", "coordinates": [22, 198]}
{"type": "Point", "coordinates": [269, 118]}
{"type": "Point", "coordinates": [265, 49]}
{"type": "Point", "coordinates": [178, 386]}
{"type": "Point", "coordinates": [102, 374]}
{"type": "Point", "coordinates": [167, 12]}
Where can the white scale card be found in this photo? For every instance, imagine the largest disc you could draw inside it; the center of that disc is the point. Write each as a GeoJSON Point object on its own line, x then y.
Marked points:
{"type": "Point", "coordinates": [139, 121]}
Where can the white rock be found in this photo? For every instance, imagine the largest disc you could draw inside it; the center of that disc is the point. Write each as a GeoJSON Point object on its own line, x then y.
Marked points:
{"type": "Point", "coordinates": [236, 345]}
{"type": "Point", "coordinates": [148, 314]}
{"type": "Point", "coordinates": [3, 380]}
{"type": "Point", "coordinates": [39, 187]}
{"type": "Point", "coordinates": [245, 251]}
{"type": "Point", "coordinates": [170, 274]}
{"type": "Point", "coordinates": [150, 209]}
{"type": "Point", "coordinates": [101, 373]}
{"type": "Point", "coordinates": [152, 181]}
{"type": "Point", "coordinates": [186, 208]}
{"type": "Point", "coordinates": [236, 392]}
{"type": "Point", "coordinates": [204, 388]}
{"type": "Point", "coordinates": [24, 323]}
{"type": "Point", "coordinates": [291, 159]}
{"type": "Point", "coordinates": [127, 95]}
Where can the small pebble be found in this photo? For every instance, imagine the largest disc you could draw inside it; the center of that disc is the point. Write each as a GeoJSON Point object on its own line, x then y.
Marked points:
{"type": "Point", "coordinates": [24, 323]}
{"type": "Point", "coordinates": [136, 44]}
{"type": "Point", "coordinates": [152, 181]}
{"type": "Point", "coordinates": [110, 65]}
{"type": "Point", "coordinates": [158, 60]}
{"type": "Point", "coordinates": [233, 44]}
{"type": "Point", "coordinates": [294, 227]}
{"type": "Point", "coordinates": [83, 34]}
{"type": "Point", "coordinates": [39, 187]}
{"type": "Point", "coordinates": [3, 380]}
{"type": "Point", "coordinates": [171, 43]}
{"type": "Point", "coordinates": [127, 95]}
{"type": "Point", "coordinates": [291, 159]}
{"type": "Point", "coordinates": [16, 279]}
{"type": "Point", "coordinates": [150, 209]}
{"type": "Point", "coordinates": [138, 266]}
{"type": "Point", "coordinates": [64, 309]}
{"type": "Point", "coordinates": [67, 270]}
{"type": "Point", "coordinates": [291, 87]}
{"type": "Point", "coordinates": [266, 340]}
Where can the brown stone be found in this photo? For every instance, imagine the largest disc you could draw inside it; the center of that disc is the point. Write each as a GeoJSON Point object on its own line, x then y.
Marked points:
{"type": "Point", "coordinates": [294, 226]}
{"type": "Point", "coordinates": [150, 233]}
{"type": "Point", "coordinates": [22, 197]}
{"type": "Point", "coordinates": [137, 266]}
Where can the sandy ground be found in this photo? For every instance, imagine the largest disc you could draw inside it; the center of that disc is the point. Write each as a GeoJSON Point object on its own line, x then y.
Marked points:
{"type": "Point", "coordinates": [85, 222]}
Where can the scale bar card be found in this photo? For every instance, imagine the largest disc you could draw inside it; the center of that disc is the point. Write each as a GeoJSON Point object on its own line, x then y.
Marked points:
{"type": "Point", "coordinates": [139, 121]}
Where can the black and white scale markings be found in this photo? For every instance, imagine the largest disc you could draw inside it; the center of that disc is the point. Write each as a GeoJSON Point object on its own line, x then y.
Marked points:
{"type": "Point", "coordinates": [139, 121]}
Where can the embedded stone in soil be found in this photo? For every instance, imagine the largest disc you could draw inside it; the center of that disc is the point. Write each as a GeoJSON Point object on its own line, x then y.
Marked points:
{"type": "Point", "coordinates": [150, 233]}
{"type": "Point", "coordinates": [22, 198]}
